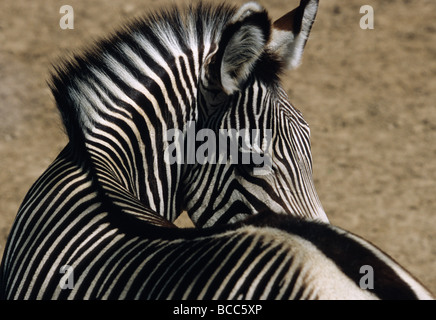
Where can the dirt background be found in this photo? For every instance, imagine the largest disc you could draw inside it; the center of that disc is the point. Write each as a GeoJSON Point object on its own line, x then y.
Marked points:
{"type": "Point", "coordinates": [368, 95]}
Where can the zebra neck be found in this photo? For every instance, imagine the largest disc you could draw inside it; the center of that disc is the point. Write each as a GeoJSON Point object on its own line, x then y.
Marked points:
{"type": "Point", "coordinates": [124, 132]}
{"type": "Point", "coordinates": [120, 199]}
{"type": "Point", "coordinates": [125, 94]}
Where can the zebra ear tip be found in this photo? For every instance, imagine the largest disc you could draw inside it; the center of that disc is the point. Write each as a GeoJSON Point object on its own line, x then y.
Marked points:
{"type": "Point", "coordinates": [245, 10]}
{"type": "Point", "coordinates": [291, 31]}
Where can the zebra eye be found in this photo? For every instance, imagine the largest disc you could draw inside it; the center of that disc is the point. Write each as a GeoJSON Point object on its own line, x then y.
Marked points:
{"type": "Point", "coordinates": [249, 161]}
{"type": "Point", "coordinates": [244, 170]}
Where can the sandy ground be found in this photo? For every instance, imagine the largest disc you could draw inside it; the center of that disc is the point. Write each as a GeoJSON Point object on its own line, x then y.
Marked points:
{"type": "Point", "coordinates": [369, 96]}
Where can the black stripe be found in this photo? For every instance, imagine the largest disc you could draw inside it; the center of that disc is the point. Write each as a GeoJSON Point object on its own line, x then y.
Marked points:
{"type": "Point", "coordinates": [347, 254]}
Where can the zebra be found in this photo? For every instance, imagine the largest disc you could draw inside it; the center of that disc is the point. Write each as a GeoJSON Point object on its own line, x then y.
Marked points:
{"type": "Point", "coordinates": [164, 72]}
{"type": "Point", "coordinates": [105, 206]}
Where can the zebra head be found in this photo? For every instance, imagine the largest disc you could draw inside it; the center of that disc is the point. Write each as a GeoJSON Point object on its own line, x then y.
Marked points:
{"type": "Point", "coordinates": [241, 94]}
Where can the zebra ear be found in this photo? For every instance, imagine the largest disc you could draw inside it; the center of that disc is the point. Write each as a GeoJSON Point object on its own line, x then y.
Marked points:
{"type": "Point", "coordinates": [242, 43]}
{"type": "Point", "coordinates": [290, 33]}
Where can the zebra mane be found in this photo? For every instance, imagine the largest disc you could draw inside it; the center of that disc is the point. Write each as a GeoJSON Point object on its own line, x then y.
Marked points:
{"type": "Point", "coordinates": [170, 31]}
